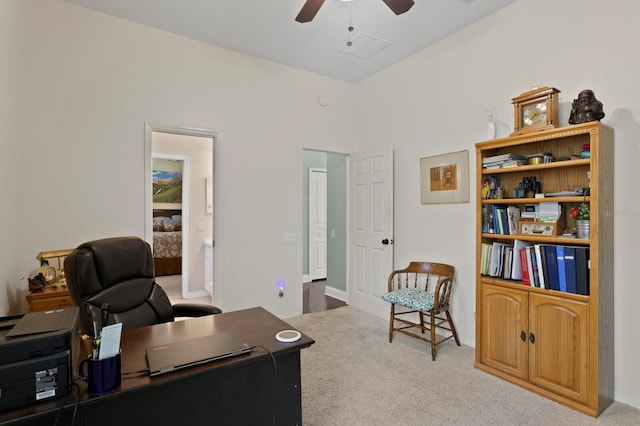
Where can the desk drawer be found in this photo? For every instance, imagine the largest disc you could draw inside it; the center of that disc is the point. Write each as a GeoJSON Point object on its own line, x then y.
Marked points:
{"type": "Point", "coordinates": [48, 304]}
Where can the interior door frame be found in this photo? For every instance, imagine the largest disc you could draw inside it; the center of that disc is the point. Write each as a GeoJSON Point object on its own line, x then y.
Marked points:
{"type": "Point", "coordinates": [185, 215]}
{"type": "Point", "coordinates": [330, 291]}
{"type": "Point", "coordinates": [311, 236]}
{"type": "Point", "coordinates": [149, 128]}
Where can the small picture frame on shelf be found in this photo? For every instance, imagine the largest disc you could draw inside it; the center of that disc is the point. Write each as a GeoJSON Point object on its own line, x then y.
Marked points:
{"type": "Point", "coordinates": [445, 178]}
{"type": "Point", "coordinates": [547, 229]}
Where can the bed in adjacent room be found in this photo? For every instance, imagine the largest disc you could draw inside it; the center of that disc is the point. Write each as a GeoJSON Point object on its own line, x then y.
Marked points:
{"type": "Point", "coordinates": [167, 242]}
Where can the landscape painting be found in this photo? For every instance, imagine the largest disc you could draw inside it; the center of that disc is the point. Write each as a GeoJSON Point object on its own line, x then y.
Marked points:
{"type": "Point", "coordinates": [167, 187]}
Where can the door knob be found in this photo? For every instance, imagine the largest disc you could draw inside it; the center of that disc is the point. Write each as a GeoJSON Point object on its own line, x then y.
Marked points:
{"type": "Point", "coordinates": [386, 242]}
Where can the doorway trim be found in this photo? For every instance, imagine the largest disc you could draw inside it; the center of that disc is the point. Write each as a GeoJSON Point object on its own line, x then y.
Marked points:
{"type": "Point", "coordinates": [149, 128]}
{"type": "Point", "coordinates": [330, 291]}
{"type": "Point", "coordinates": [185, 215]}
{"type": "Point", "coordinates": [315, 233]}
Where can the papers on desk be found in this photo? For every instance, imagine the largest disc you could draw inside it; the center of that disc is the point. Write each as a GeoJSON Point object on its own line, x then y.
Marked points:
{"type": "Point", "coordinates": [110, 341]}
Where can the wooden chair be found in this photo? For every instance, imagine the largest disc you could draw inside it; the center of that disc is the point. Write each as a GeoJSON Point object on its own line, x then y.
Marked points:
{"type": "Point", "coordinates": [425, 290]}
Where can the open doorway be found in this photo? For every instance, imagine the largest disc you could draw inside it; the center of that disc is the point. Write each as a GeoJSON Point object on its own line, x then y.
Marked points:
{"type": "Point", "coordinates": [325, 228]}
{"type": "Point", "coordinates": [180, 231]}
{"type": "Point", "coordinates": [170, 194]}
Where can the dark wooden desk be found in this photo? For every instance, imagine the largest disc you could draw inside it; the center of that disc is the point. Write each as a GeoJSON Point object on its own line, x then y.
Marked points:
{"type": "Point", "coordinates": [239, 390]}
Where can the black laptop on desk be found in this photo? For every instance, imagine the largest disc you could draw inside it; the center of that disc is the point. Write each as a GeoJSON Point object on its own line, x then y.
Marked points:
{"type": "Point", "coordinates": [178, 355]}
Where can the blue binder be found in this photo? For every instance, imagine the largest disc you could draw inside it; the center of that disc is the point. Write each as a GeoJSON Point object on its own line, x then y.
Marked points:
{"type": "Point", "coordinates": [562, 277]}
{"type": "Point", "coordinates": [552, 267]}
{"type": "Point", "coordinates": [570, 269]}
{"type": "Point", "coordinates": [582, 270]}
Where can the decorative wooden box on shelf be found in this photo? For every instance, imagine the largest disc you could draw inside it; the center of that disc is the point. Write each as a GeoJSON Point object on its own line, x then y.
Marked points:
{"type": "Point", "coordinates": [558, 344]}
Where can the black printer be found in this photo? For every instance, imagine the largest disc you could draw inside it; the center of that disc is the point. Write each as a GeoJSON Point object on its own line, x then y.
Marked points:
{"type": "Point", "coordinates": [36, 361]}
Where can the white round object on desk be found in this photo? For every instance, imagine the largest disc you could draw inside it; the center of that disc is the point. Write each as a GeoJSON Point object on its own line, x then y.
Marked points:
{"type": "Point", "coordinates": [288, 336]}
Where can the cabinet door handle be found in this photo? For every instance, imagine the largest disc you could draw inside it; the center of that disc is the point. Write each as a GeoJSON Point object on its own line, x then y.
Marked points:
{"type": "Point", "coordinates": [532, 338]}
{"type": "Point", "coordinates": [523, 336]}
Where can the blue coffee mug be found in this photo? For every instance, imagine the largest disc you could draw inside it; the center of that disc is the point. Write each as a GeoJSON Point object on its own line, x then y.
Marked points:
{"type": "Point", "coordinates": [102, 375]}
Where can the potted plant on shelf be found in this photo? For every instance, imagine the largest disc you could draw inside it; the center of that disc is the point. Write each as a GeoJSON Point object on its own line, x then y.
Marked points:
{"type": "Point", "coordinates": [581, 214]}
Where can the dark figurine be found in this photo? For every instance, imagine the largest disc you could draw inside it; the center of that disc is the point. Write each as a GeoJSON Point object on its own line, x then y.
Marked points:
{"type": "Point", "coordinates": [37, 283]}
{"type": "Point", "coordinates": [586, 108]}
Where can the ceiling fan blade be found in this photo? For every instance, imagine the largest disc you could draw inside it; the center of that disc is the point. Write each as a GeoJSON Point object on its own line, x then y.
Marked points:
{"type": "Point", "coordinates": [309, 10]}
{"type": "Point", "coordinates": [399, 6]}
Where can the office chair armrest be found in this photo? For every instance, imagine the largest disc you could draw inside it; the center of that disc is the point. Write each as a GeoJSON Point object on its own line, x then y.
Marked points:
{"type": "Point", "coordinates": [194, 310]}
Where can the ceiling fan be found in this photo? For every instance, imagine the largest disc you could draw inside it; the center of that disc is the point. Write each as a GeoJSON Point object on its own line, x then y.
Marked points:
{"type": "Point", "coordinates": [311, 7]}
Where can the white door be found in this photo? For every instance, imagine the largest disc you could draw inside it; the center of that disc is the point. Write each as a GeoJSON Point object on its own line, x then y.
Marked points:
{"type": "Point", "coordinates": [317, 224]}
{"type": "Point", "coordinates": [371, 229]}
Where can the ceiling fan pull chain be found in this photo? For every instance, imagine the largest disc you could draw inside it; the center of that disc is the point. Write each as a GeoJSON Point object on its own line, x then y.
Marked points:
{"type": "Point", "coordinates": [350, 28]}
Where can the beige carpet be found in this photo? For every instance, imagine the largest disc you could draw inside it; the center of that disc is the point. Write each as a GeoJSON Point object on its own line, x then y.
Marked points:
{"type": "Point", "coordinates": [353, 376]}
{"type": "Point", "coordinates": [172, 285]}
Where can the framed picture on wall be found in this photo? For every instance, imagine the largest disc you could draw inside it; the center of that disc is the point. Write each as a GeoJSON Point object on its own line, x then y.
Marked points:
{"type": "Point", "coordinates": [167, 189]}
{"type": "Point", "coordinates": [445, 178]}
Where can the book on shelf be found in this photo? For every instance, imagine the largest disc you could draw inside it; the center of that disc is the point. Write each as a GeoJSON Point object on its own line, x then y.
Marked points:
{"type": "Point", "coordinates": [518, 273]}
{"type": "Point", "coordinates": [552, 267]}
{"type": "Point", "coordinates": [545, 270]}
{"type": "Point", "coordinates": [496, 259]}
{"type": "Point", "coordinates": [498, 161]}
{"type": "Point", "coordinates": [576, 269]}
{"type": "Point", "coordinates": [508, 261]}
{"type": "Point", "coordinates": [534, 267]}
{"type": "Point", "coordinates": [539, 263]}
{"type": "Point", "coordinates": [524, 267]}
{"type": "Point", "coordinates": [513, 163]}
{"type": "Point", "coordinates": [484, 258]}
{"type": "Point", "coordinates": [582, 270]}
{"type": "Point", "coordinates": [500, 215]}
{"type": "Point", "coordinates": [529, 211]}
{"type": "Point", "coordinates": [546, 266]}
{"type": "Point", "coordinates": [502, 223]}
{"type": "Point", "coordinates": [513, 216]}
{"type": "Point", "coordinates": [492, 166]}
{"type": "Point", "coordinates": [562, 277]}
{"type": "Point", "coordinates": [570, 269]}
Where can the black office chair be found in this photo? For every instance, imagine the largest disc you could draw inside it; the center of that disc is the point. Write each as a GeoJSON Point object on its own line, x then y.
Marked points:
{"type": "Point", "coordinates": [117, 273]}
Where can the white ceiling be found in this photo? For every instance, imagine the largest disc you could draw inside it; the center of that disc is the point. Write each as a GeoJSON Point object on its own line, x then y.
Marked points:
{"type": "Point", "coordinates": [267, 28]}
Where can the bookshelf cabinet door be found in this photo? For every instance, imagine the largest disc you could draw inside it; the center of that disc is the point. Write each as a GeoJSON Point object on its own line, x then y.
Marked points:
{"type": "Point", "coordinates": [504, 320]}
{"type": "Point", "coordinates": [558, 357]}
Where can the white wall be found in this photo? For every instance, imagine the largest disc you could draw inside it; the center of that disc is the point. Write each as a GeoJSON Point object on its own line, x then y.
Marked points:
{"type": "Point", "coordinates": [84, 86]}
{"type": "Point", "coordinates": [435, 103]}
{"type": "Point", "coordinates": [9, 211]}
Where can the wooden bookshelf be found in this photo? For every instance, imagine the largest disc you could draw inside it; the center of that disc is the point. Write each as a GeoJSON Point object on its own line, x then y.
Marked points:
{"type": "Point", "coordinates": [555, 343]}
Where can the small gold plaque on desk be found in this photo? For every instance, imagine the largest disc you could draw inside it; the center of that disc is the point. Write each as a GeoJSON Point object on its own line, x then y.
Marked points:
{"type": "Point", "coordinates": [549, 229]}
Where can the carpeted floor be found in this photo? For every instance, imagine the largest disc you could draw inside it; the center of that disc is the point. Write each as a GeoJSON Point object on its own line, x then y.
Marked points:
{"type": "Point", "coordinates": [353, 376]}
{"type": "Point", "coordinates": [172, 285]}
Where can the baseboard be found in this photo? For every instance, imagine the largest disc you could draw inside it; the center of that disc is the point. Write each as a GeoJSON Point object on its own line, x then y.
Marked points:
{"type": "Point", "coordinates": [194, 294]}
{"type": "Point", "coordinates": [335, 293]}
{"type": "Point", "coordinates": [306, 278]}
